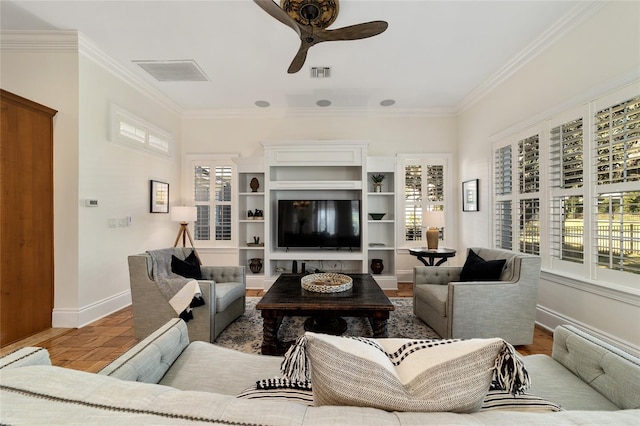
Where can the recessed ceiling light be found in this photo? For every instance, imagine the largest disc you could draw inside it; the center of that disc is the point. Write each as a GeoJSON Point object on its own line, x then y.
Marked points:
{"type": "Point", "coordinates": [262, 104]}
{"type": "Point", "coordinates": [387, 102]}
{"type": "Point", "coordinates": [323, 103]}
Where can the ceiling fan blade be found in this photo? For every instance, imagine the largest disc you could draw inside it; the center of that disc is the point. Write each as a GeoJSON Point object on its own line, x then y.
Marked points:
{"type": "Point", "coordinates": [354, 32]}
{"type": "Point", "coordinates": [274, 10]}
{"type": "Point", "coordinates": [299, 59]}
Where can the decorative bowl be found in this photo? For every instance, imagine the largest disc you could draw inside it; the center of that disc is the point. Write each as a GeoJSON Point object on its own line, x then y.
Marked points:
{"type": "Point", "coordinates": [328, 282]}
{"type": "Point", "coordinates": [376, 216]}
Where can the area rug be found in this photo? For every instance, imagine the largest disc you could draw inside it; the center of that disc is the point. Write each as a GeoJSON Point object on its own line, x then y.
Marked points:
{"type": "Point", "coordinates": [245, 333]}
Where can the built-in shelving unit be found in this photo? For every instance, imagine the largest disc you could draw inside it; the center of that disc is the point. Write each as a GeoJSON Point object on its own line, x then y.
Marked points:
{"type": "Point", "coordinates": [316, 170]}
{"type": "Point", "coordinates": [312, 170]}
{"type": "Point", "coordinates": [381, 234]}
{"type": "Point", "coordinates": [251, 226]}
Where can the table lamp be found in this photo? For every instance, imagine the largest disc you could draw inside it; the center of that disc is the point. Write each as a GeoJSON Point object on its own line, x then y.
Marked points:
{"type": "Point", "coordinates": [184, 215]}
{"type": "Point", "coordinates": [432, 220]}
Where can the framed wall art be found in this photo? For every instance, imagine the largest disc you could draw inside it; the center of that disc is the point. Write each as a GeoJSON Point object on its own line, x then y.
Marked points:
{"type": "Point", "coordinates": [470, 196]}
{"type": "Point", "coordinates": [159, 197]}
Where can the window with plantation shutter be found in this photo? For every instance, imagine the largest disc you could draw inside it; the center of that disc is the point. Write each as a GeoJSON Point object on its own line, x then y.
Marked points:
{"type": "Point", "coordinates": [529, 164]}
{"type": "Point", "coordinates": [425, 189]}
{"type": "Point", "coordinates": [618, 143]}
{"type": "Point", "coordinates": [134, 132]}
{"type": "Point", "coordinates": [574, 196]}
{"type": "Point", "coordinates": [566, 150]}
{"type": "Point", "coordinates": [212, 194]}
{"type": "Point", "coordinates": [617, 169]}
{"type": "Point", "coordinates": [503, 178]}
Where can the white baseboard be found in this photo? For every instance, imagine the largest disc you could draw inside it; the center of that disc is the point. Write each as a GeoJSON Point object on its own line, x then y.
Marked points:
{"type": "Point", "coordinates": [404, 276]}
{"type": "Point", "coordinates": [76, 318]}
{"type": "Point", "coordinates": [549, 320]}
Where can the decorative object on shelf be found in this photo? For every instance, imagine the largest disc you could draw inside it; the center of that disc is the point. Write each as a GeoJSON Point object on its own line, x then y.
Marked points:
{"type": "Point", "coordinates": [255, 244]}
{"type": "Point", "coordinates": [255, 265]}
{"type": "Point", "coordinates": [184, 215]}
{"type": "Point", "coordinates": [250, 214]}
{"type": "Point", "coordinates": [433, 220]}
{"type": "Point", "coordinates": [158, 197]}
{"type": "Point", "coordinates": [470, 196]}
{"type": "Point", "coordinates": [256, 240]}
{"type": "Point", "coordinates": [377, 266]}
{"type": "Point", "coordinates": [326, 282]}
{"type": "Point", "coordinates": [254, 185]}
{"type": "Point", "coordinates": [376, 216]}
{"type": "Point", "coordinates": [258, 214]}
{"type": "Point", "coordinates": [377, 182]}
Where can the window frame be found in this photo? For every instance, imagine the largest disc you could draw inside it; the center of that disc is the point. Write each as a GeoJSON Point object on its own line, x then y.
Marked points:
{"type": "Point", "coordinates": [118, 115]}
{"type": "Point", "coordinates": [448, 204]}
{"type": "Point", "coordinates": [588, 270]}
{"type": "Point", "coordinates": [213, 161]}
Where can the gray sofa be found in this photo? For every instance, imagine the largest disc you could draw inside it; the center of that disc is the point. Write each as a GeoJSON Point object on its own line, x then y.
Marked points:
{"type": "Point", "coordinates": [480, 309]}
{"type": "Point", "coordinates": [165, 379]}
{"type": "Point", "coordinates": [225, 285]}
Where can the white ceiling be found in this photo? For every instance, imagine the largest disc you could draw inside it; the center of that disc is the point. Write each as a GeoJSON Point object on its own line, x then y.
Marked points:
{"type": "Point", "coordinates": [435, 55]}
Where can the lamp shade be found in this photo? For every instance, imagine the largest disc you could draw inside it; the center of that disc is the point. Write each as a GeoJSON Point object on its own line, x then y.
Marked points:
{"type": "Point", "coordinates": [184, 214]}
{"type": "Point", "coordinates": [433, 219]}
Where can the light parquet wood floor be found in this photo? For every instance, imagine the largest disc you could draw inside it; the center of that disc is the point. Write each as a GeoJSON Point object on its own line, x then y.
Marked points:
{"type": "Point", "coordinates": [92, 347]}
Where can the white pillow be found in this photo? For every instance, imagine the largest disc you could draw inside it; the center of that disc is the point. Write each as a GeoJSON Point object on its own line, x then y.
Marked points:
{"type": "Point", "coordinates": [403, 374]}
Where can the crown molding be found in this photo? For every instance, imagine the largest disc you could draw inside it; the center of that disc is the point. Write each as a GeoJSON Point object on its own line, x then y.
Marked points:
{"type": "Point", "coordinates": [576, 16]}
{"type": "Point", "coordinates": [39, 41]}
{"type": "Point", "coordinates": [272, 113]}
{"type": "Point", "coordinates": [88, 49]}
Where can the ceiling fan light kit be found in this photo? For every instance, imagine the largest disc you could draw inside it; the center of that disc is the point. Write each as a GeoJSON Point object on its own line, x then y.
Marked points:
{"type": "Point", "coordinates": [310, 18]}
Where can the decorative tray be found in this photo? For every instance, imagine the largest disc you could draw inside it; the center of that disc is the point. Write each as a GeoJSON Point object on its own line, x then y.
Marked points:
{"type": "Point", "coordinates": [326, 282]}
{"type": "Point", "coordinates": [255, 244]}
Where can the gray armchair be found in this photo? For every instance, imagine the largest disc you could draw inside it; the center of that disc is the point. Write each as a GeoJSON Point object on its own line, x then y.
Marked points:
{"type": "Point", "coordinates": [480, 309]}
{"type": "Point", "coordinates": [224, 285]}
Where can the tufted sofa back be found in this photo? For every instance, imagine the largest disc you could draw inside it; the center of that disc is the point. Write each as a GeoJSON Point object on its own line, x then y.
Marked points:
{"type": "Point", "coordinates": [150, 359]}
{"type": "Point", "coordinates": [609, 370]}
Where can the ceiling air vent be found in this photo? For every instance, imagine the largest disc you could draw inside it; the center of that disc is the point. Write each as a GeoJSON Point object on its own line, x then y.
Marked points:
{"type": "Point", "coordinates": [320, 72]}
{"type": "Point", "coordinates": [186, 70]}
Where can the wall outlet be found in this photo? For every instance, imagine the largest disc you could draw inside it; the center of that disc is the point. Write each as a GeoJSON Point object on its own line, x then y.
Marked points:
{"type": "Point", "coordinates": [112, 223]}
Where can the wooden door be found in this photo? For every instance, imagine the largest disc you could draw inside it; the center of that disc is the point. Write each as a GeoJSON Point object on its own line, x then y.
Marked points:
{"type": "Point", "coordinates": [26, 218]}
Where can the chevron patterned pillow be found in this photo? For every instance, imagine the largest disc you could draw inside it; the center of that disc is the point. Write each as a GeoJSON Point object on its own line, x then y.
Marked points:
{"type": "Point", "coordinates": [404, 374]}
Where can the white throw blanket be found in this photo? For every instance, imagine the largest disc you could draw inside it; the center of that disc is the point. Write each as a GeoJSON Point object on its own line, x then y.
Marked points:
{"type": "Point", "coordinates": [178, 290]}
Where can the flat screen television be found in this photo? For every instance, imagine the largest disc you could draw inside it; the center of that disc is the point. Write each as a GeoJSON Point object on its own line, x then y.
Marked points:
{"type": "Point", "coordinates": [319, 223]}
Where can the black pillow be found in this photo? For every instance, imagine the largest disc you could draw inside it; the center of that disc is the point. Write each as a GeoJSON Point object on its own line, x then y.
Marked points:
{"type": "Point", "coordinates": [477, 269]}
{"type": "Point", "coordinates": [188, 268]}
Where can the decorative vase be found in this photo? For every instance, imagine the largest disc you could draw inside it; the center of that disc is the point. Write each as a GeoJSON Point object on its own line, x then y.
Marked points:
{"type": "Point", "coordinates": [255, 265]}
{"type": "Point", "coordinates": [254, 185]}
{"type": "Point", "coordinates": [377, 187]}
{"type": "Point", "coordinates": [376, 266]}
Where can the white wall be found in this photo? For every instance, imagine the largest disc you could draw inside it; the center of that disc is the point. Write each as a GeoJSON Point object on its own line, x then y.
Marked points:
{"type": "Point", "coordinates": [91, 272]}
{"type": "Point", "coordinates": [118, 177]}
{"type": "Point", "coordinates": [388, 134]}
{"type": "Point", "coordinates": [51, 78]}
{"type": "Point", "coordinates": [601, 53]}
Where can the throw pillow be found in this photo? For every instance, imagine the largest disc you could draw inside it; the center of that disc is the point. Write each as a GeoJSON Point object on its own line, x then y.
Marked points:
{"type": "Point", "coordinates": [403, 374]}
{"type": "Point", "coordinates": [188, 268]}
{"type": "Point", "coordinates": [477, 269]}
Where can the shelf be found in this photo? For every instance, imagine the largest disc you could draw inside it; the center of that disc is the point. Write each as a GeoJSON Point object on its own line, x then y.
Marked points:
{"type": "Point", "coordinates": [381, 221]}
{"type": "Point", "coordinates": [381, 248]}
{"type": "Point", "coordinates": [316, 255]}
{"type": "Point", "coordinates": [251, 220]}
{"type": "Point", "coordinates": [250, 248]}
{"type": "Point", "coordinates": [250, 194]}
{"type": "Point", "coordinates": [316, 184]}
{"type": "Point", "coordinates": [381, 194]}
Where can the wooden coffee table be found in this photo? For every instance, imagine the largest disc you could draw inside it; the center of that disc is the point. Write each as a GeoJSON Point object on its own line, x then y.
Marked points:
{"type": "Point", "coordinates": [287, 298]}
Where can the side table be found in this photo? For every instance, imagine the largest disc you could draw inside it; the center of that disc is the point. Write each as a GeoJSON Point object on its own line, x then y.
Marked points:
{"type": "Point", "coordinates": [432, 254]}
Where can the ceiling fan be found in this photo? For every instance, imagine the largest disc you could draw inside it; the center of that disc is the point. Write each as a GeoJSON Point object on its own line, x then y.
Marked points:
{"type": "Point", "coordinates": [309, 18]}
